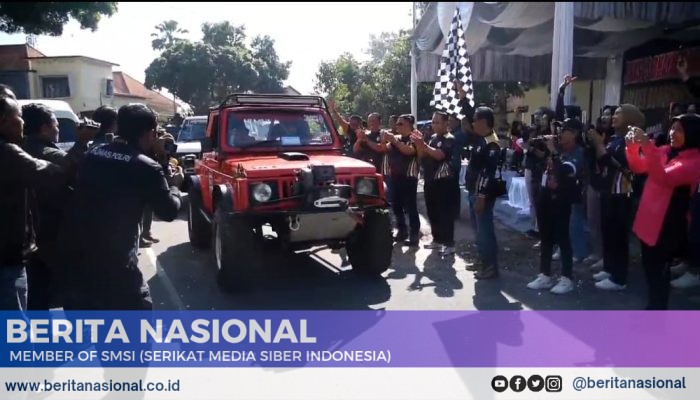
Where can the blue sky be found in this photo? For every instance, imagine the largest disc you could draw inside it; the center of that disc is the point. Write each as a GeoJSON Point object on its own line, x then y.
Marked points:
{"type": "Point", "coordinates": [305, 33]}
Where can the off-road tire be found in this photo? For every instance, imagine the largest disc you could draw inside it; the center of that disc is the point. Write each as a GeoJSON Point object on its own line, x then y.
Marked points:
{"type": "Point", "coordinates": [237, 252]}
{"type": "Point", "coordinates": [371, 245]}
{"type": "Point", "coordinates": [198, 227]}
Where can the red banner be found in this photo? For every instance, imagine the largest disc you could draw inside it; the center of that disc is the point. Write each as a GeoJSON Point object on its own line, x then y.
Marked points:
{"type": "Point", "coordinates": [662, 66]}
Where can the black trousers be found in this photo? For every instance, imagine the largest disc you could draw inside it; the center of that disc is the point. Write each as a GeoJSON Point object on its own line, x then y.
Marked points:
{"type": "Point", "coordinates": [39, 278]}
{"type": "Point", "coordinates": [458, 196]}
{"type": "Point", "coordinates": [553, 216]}
{"type": "Point", "coordinates": [404, 192]}
{"type": "Point", "coordinates": [440, 202]}
{"type": "Point", "coordinates": [146, 221]}
{"type": "Point", "coordinates": [656, 261]}
{"type": "Point", "coordinates": [616, 211]}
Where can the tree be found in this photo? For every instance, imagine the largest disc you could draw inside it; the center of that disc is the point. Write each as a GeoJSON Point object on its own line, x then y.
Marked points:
{"type": "Point", "coordinates": [222, 34]}
{"type": "Point", "coordinates": [203, 73]}
{"type": "Point", "coordinates": [383, 83]}
{"type": "Point", "coordinates": [166, 35]}
{"type": "Point", "coordinates": [379, 85]}
{"type": "Point", "coordinates": [48, 18]}
{"type": "Point", "coordinates": [272, 72]}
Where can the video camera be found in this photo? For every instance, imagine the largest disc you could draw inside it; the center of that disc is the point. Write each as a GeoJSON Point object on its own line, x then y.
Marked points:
{"type": "Point", "coordinates": [88, 123]}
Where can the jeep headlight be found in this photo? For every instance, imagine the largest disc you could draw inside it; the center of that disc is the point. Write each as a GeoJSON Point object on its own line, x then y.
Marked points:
{"type": "Point", "coordinates": [262, 192]}
{"type": "Point", "coordinates": [367, 187]}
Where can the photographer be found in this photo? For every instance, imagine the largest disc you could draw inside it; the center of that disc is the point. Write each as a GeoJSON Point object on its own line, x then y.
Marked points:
{"type": "Point", "coordinates": [661, 223]}
{"type": "Point", "coordinates": [177, 176]}
{"type": "Point", "coordinates": [560, 189]}
{"type": "Point", "coordinates": [534, 160]}
{"type": "Point", "coordinates": [616, 197]}
{"type": "Point", "coordinates": [41, 134]}
{"type": "Point", "coordinates": [106, 116]}
{"type": "Point", "coordinates": [20, 172]}
{"type": "Point", "coordinates": [100, 234]}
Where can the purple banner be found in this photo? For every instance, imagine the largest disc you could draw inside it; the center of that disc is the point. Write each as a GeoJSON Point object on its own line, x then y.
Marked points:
{"type": "Point", "coordinates": [354, 339]}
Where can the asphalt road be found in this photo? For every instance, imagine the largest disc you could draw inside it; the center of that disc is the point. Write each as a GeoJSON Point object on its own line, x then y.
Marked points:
{"type": "Point", "coordinates": [181, 277]}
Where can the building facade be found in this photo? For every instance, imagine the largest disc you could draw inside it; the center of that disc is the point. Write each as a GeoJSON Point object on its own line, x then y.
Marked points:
{"type": "Point", "coordinates": [85, 83]}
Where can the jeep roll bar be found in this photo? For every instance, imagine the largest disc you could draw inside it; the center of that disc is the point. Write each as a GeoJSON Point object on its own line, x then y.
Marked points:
{"type": "Point", "coordinates": [276, 99]}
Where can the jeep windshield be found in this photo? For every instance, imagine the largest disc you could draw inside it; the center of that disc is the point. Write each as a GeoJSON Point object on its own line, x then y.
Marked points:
{"type": "Point", "coordinates": [277, 128]}
{"type": "Point", "coordinates": [193, 131]}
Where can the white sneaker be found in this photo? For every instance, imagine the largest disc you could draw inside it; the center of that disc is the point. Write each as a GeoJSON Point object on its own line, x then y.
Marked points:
{"type": "Point", "coordinates": [679, 269]}
{"type": "Point", "coordinates": [607, 284]}
{"type": "Point", "coordinates": [601, 276]}
{"type": "Point", "coordinates": [591, 259]}
{"type": "Point", "coordinates": [541, 283]}
{"type": "Point", "coordinates": [686, 281]}
{"type": "Point", "coordinates": [557, 255]}
{"type": "Point", "coordinates": [598, 265]}
{"type": "Point", "coordinates": [447, 250]}
{"type": "Point", "coordinates": [564, 286]}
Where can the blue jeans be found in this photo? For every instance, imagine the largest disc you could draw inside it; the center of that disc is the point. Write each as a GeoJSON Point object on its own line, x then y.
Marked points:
{"type": "Point", "coordinates": [13, 289]}
{"type": "Point", "coordinates": [485, 232]}
{"type": "Point", "coordinates": [578, 232]}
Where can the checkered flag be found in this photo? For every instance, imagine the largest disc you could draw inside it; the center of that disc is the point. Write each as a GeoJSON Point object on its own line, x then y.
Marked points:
{"type": "Point", "coordinates": [454, 65]}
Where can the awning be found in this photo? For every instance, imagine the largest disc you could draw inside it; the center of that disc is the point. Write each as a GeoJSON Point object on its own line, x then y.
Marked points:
{"type": "Point", "coordinates": [512, 41]}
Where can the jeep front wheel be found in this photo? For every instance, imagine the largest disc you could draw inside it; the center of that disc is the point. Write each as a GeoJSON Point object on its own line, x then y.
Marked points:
{"type": "Point", "coordinates": [371, 246]}
{"type": "Point", "coordinates": [237, 252]}
{"type": "Point", "coordinates": [198, 227]}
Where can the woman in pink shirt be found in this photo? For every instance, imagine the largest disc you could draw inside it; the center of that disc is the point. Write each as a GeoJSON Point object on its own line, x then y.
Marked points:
{"type": "Point", "coordinates": [661, 223]}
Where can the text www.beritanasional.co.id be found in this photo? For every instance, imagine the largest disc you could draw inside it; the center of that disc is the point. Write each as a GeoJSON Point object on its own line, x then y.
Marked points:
{"type": "Point", "coordinates": [72, 385]}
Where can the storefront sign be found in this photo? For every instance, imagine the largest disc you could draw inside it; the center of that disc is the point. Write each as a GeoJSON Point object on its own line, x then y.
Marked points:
{"type": "Point", "coordinates": [661, 67]}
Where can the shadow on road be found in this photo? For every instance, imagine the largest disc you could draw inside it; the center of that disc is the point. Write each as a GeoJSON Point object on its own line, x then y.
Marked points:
{"type": "Point", "coordinates": [288, 281]}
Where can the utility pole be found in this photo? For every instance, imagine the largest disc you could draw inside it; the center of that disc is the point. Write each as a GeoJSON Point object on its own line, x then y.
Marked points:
{"type": "Point", "coordinates": [414, 80]}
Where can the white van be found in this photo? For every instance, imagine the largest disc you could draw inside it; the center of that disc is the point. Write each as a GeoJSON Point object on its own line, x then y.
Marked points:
{"type": "Point", "coordinates": [67, 119]}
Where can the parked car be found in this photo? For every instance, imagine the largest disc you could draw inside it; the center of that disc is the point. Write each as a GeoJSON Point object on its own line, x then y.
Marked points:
{"type": "Point", "coordinates": [275, 160]}
{"type": "Point", "coordinates": [189, 143]}
{"type": "Point", "coordinates": [67, 119]}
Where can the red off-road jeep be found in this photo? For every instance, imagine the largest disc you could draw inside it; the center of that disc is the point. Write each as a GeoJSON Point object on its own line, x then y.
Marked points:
{"type": "Point", "coordinates": [276, 160]}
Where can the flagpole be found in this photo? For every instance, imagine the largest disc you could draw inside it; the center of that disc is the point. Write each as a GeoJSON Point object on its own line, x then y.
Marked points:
{"type": "Point", "coordinates": [414, 80]}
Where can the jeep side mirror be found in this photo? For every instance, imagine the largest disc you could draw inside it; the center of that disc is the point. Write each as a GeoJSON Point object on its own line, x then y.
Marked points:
{"type": "Point", "coordinates": [207, 145]}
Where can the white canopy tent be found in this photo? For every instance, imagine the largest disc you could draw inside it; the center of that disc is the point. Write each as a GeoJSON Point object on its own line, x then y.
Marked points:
{"type": "Point", "coordinates": [540, 42]}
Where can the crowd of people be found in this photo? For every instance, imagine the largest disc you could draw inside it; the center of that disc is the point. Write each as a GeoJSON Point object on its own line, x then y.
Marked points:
{"type": "Point", "coordinates": [72, 222]}
{"type": "Point", "coordinates": [589, 187]}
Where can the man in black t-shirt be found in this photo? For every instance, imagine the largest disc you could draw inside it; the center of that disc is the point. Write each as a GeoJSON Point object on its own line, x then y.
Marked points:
{"type": "Point", "coordinates": [368, 147]}
{"type": "Point", "coordinates": [403, 169]}
{"type": "Point", "coordinates": [436, 158]}
{"type": "Point", "coordinates": [484, 164]}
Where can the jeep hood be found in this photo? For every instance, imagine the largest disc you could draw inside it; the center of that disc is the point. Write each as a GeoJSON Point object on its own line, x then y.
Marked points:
{"type": "Point", "coordinates": [269, 166]}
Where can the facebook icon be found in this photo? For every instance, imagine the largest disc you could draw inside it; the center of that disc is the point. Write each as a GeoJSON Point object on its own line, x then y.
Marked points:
{"type": "Point", "coordinates": [517, 383]}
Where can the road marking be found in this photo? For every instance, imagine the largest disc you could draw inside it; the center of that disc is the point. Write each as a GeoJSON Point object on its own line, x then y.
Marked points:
{"type": "Point", "coordinates": [165, 280]}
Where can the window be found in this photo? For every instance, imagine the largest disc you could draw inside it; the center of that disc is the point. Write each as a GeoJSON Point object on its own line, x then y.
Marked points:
{"type": "Point", "coordinates": [192, 131]}
{"type": "Point", "coordinates": [109, 88]}
{"type": "Point", "coordinates": [56, 86]}
{"type": "Point", "coordinates": [278, 128]}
